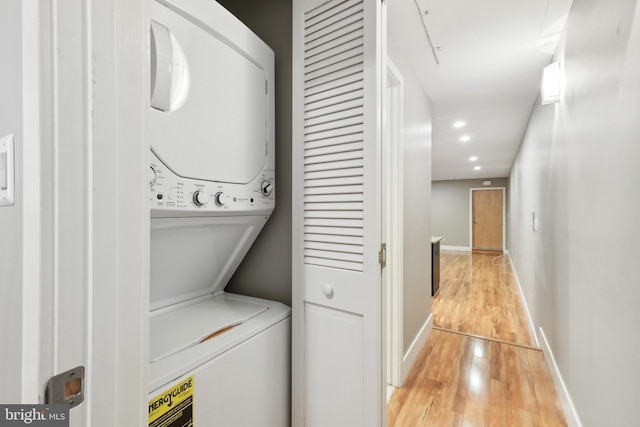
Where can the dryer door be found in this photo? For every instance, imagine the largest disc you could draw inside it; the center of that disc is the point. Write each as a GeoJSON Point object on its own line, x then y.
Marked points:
{"type": "Point", "coordinates": [209, 104]}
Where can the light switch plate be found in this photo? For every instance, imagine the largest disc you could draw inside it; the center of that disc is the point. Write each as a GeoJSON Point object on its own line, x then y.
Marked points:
{"type": "Point", "coordinates": [7, 171]}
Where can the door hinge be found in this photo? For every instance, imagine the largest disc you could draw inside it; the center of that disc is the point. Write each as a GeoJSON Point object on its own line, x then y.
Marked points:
{"type": "Point", "coordinates": [66, 388]}
{"type": "Point", "coordinates": [382, 255]}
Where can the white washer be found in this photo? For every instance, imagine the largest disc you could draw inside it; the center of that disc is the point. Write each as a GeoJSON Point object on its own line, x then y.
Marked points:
{"type": "Point", "coordinates": [216, 358]}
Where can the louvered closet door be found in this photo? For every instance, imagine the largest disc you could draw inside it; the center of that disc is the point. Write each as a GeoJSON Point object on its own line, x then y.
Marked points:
{"type": "Point", "coordinates": [337, 369]}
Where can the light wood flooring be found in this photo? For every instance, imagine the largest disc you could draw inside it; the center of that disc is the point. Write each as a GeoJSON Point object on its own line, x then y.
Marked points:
{"type": "Point", "coordinates": [478, 295]}
{"type": "Point", "coordinates": [461, 379]}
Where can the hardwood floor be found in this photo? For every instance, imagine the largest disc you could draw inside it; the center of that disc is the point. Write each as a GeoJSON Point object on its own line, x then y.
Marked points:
{"type": "Point", "coordinates": [462, 379]}
{"type": "Point", "coordinates": [479, 295]}
{"type": "Point", "coordinates": [465, 381]}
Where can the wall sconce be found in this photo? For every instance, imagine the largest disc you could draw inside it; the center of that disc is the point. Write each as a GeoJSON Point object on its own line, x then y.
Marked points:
{"type": "Point", "coordinates": [551, 83]}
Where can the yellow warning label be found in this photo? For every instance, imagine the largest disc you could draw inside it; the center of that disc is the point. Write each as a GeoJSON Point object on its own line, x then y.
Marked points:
{"type": "Point", "coordinates": [174, 407]}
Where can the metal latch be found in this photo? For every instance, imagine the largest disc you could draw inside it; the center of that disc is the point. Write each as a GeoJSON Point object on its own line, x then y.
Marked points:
{"type": "Point", "coordinates": [382, 255]}
{"type": "Point", "coordinates": [66, 388]}
{"type": "Point", "coordinates": [7, 171]}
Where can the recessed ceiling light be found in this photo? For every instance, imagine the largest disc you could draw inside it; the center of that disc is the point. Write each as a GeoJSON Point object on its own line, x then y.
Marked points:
{"type": "Point", "coordinates": [477, 168]}
{"type": "Point", "coordinates": [473, 158]}
{"type": "Point", "coordinates": [465, 138]}
{"type": "Point", "coordinates": [459, 124]}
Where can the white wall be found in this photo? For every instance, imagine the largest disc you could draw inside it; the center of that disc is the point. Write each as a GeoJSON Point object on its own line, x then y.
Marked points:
{"type": "Point", "coordinates": [416, 142]}
{"type": "Point", "coordinates": [11, 217]}
{"type": "Point", "coordinates": [450, 208]}
{"type": "Point", "coordinates": [578, 170]}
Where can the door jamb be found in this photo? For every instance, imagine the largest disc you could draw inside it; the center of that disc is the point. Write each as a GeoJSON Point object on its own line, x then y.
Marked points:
{"type": "Point", "coordinates": [393, 157]}
{"type": "Point", "coordinates": [112, 272]}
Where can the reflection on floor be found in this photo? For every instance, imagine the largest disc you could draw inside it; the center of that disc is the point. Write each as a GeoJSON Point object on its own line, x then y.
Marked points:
{"type": "Point", "coordinates": [464, 380]}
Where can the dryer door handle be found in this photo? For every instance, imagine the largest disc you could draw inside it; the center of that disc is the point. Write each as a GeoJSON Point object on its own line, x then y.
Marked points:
{"type": "Point", "coordinates": [169, 70]}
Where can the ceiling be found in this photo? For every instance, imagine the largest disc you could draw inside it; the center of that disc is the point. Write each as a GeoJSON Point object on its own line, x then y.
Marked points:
{"type": "Point", "coordinates": [491, 54]}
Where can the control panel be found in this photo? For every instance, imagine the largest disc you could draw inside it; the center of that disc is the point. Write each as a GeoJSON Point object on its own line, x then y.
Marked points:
{"type": "Point", "coordinates": [170, 193]}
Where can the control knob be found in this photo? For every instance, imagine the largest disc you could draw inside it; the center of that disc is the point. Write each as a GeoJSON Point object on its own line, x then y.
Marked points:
{"type": "Point", "coordinates": [200, 198]}
{"type": "Point", "coordinates": [153, 177]}
{"type": "Point", "coordinates": [266, 187]}
{"type": "Point", "coordinates": [220, 199]}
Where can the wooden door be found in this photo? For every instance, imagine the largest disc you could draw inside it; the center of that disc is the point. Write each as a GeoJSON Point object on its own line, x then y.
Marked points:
{"type": "Point", "coordinates": [487, 221]}
{"type": "Point", "coordinates": [336, 301]}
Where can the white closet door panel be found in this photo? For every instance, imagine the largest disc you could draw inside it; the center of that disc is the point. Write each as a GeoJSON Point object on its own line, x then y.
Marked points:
{"type": "Point", "coordinates": [335, 56]}
{"type": "Point", "coordinates": [320, 14]}
{"type": "Point", "coordinates": [344, 34]}
{"type": "Point", "coordinates": [340, 247]}
{"type": "Point", "coordinates": [324, 75]}
{"type": "Point", "coordinates": [337, 352]}
{"type": "Point", "coordinates": [341, 106]}
{"type": "Point", "coordinates": [333, 198]}
{"type": "Point", "coordinates": [345, 153]}
{"type": "Point", "coordinates": [328, 26]}
{"type": "Point", "coordinates": [333, 87]}
{"type": "Point", "coordinates": [333, 214]}
{"type": "Point", "coordinates": [335, 133]}
{"type": "Point", "coordinates": [334, 173]}
{"type": "Point", "coordinates": [338, 140]}
{"type": "Point", "coordinates": [333, 206]}
{"type": "Point", "coordinates": [329, 54]}
{"type": "Point", "coordinates": [330, 125]}
{"type": "Point", "coordinates": [341, 189]}
{"type": "Point", "coordinates": [342, 164]}
{"type": "Point", "coordinates": [342, 331]}
{"type": "Point", "coordinates": [310, 231]}
{"type": "Point", "coordinates": [335, 100]}
{"type": "Point", "coordinates": [332, 150]}
{"type": "Point", "coordinates": [345, 224]}
{"type": "Point", "coordinates": [336, 255]}
{"type": "Point", "coordinates": [332, 182]}
{"type": "Point", "coordinates": [334, 96]}
{"type": "Point", "coordinates": [334, 263]}
{"type": "Point", "coordinates": [336, 117]}
{"type": "Point", "coordinates": [334, 238]}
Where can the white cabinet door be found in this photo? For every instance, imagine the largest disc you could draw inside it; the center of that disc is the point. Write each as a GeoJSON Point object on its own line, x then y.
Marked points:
{"type": "Point", "coordinates": [337, 357]}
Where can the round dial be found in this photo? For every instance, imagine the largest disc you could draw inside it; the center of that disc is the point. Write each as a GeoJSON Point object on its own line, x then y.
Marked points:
{"type": "Point", "coordinates": [266, 187]}
{"type": "Point", "coordinates": [220, 198]}
{"type": "Point", "coordinates": [200, 198]}
{"type": "Point", "coordinates": [153, 177]}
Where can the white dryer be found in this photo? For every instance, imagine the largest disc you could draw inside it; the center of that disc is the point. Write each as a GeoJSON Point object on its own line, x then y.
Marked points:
{"type": "Point", "coordinates": [216, 359]}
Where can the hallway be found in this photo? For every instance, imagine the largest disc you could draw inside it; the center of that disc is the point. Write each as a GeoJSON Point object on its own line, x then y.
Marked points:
{"type": "Point", "coordinates": [480, 366]}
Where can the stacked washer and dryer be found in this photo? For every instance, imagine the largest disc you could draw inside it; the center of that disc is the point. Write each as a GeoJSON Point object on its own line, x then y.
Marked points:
{"type": "Point", "coordinates": [216, 358]}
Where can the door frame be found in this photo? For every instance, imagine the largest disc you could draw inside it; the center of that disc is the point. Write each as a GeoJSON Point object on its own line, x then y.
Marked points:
{"type": "Point", "coordinates": [393, 187]}
{"type": "Point", "coordinates": [86, 295]}
{"type": "Point", "coordinates": [504, 215]}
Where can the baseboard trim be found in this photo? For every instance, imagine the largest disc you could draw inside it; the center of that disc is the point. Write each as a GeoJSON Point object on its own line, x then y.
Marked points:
{"type": "Point", "coordinates": [570, 413]}
{"type": "Point", "coordinates": [390, 390]}
{"type": "Point", "coordinates": [412, 353]}
{"type": "Point", "coordinates": [456, 248]}
{"type": "Point", "coordinates": [532, 328]}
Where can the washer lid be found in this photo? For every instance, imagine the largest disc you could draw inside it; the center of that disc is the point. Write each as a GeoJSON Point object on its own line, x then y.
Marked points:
{"type": "Point", "coordinates": [209, 118]}
{"type": "Point", "coordinates": [178, 330]}
{"type": "Point", "coordinates": [193, 257]}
